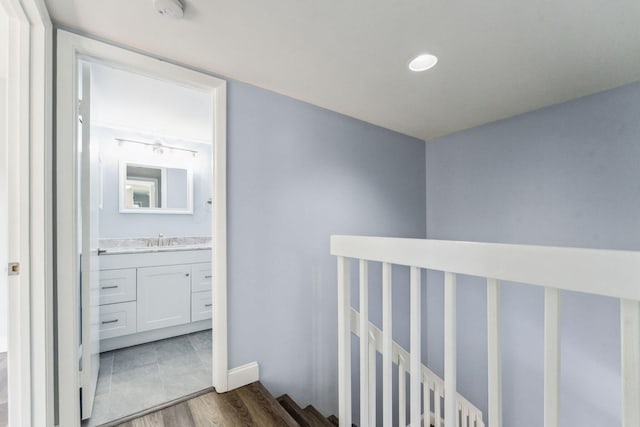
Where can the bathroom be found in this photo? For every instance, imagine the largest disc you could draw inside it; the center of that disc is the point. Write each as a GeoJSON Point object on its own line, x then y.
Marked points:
{"type": "Point", "coordinates": [145, 197]}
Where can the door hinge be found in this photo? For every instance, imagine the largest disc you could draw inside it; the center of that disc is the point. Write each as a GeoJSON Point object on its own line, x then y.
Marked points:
{"type": "Point", "coordinates": [14, 268]}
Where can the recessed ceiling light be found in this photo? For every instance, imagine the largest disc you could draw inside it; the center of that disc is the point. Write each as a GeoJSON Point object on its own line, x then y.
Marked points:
{"type": "Point", "coordinates": [423, 62]}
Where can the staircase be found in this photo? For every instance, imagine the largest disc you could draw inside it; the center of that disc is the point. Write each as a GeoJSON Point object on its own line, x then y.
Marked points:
{"type": "Point", "coordinates": [251, 405]}
{"type": "Point", "coordinates": [307, 417]}
{"type": "Point", "coordinates": [555, 269]}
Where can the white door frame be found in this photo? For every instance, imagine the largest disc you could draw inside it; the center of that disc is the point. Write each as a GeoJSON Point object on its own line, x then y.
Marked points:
{"type": "Point", "coordinates": [26, 147]}
{"type": "Point", "coordinates": [69, 48]}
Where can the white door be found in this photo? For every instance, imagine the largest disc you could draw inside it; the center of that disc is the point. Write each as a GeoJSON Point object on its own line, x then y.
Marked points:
{"type": "Point", "coordinates": [90, 264]}
{"type": "Point", "coordinates": [164, 297]}
{"type": "Point", "coordinates": [17, 195]}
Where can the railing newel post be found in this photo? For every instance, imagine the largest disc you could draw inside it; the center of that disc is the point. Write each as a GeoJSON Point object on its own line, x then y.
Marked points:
{"type": "Point", "coordinates": [415, 346]}
{"type": "Point", "coordinates": [387, 347]}
{"type": "Point", "coordinates": [630, 361]}
{"type": "Point", "coordinates": [450, 359]}
{"type": "Point", "coordinates": [364, 342]}
{"type": "Point", "coordinates": [494, 350]}
{"type": "Point", "coordinates": [344, 342]}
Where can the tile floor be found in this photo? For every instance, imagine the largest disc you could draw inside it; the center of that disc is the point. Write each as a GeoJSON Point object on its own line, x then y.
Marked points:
{"type": "Point", "coordinates": [140, 377]}
{"type": "Point", "coordinates": [3, 390]}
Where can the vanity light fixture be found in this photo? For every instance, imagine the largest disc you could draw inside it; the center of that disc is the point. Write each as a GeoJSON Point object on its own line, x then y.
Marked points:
{"type": "Point", "coordinates": [423, 62]}
{"type": "Point", "coordinates": [157, 146]}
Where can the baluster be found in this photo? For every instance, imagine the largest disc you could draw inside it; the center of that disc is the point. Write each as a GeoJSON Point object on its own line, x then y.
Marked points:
{"type": "Point", "coordinates": [372, 380]}
{"type": "Point", "coordinates": [387, 348]}
{"type": "Point", "coordinates": [364, 342]}
{"type": "Point", "coordinates": [426, 397]}
{"type": "Point", "coordinates": [437, 405]}
{"type": "Point", "coordinates": [416, 362]}
{"type": "Point", "coordinates": [630, 360]}
{"type": "Point", "coordinates": [494, 347]}
{"type": "Point", "coordinates": [450, 394]}
{"type": "Point", "coordinates": [551, 357]}
{"type": "Point", "coordinates": [402, 393]}
{"type": "Point", "coordinates": [344, 342]}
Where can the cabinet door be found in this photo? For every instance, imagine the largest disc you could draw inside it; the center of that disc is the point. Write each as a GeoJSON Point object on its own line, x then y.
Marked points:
{"type": "Point", "coordinates": [164, 297]}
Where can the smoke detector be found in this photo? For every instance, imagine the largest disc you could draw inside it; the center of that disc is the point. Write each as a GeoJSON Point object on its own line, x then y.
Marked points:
{"type": "Point", "coordinates": [169, 8]}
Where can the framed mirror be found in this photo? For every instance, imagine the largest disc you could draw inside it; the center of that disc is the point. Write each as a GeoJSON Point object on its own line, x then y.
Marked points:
{"type": "Point", "coordinates": [157, 189]}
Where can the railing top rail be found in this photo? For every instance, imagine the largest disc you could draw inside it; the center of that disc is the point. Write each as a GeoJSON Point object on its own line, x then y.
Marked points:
{"type": "Point", "coordinates": [610, 273]}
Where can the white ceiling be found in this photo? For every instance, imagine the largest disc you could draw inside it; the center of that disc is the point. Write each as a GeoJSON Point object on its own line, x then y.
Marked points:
{"type": "Point", "coordinates": [498, 58]}
{"type": "Point", "coordinates": [128, 101]}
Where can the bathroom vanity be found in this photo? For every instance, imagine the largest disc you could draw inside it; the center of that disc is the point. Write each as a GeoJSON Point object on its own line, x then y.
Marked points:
{"type": "Point", "coordinates": [149, 293]}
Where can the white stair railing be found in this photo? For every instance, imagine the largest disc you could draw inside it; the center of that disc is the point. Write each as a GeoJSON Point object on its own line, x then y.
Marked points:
{"type": "Point", "coordinates": [600, 272]}
{"type": "Point", "coordinates": [429, 383]}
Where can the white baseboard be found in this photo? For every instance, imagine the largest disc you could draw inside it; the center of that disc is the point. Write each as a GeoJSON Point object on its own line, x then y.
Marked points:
{"type": "Point", "coordinates": [3, 345]}
{"type": "Point", "coordinates": [243, 375]}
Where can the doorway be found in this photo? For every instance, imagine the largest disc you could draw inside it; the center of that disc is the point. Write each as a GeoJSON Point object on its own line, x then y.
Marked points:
{"type": "Point", "coordinates": [141, 205]}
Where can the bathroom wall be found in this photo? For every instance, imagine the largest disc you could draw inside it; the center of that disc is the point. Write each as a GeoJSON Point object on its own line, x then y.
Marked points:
{"type": "Point", "coordinates": [114, 224]}
{"type": "Point", "coordinates": [567, 175]}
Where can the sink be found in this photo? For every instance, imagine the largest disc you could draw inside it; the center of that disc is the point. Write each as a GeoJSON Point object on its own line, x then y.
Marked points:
{"type": "Point", "coordinates": [150, 244]}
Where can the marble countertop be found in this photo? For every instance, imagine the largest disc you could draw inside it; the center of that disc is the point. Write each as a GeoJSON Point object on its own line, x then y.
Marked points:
{"type": "Point", "coordinates": [153, 244]}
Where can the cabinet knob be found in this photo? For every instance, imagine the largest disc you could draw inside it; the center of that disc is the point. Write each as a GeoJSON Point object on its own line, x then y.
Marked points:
{"type": "Point", "coordinates": [187, 275]}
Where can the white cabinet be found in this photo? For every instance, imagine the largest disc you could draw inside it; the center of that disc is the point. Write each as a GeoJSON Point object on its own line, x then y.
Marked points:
{"type": "Point", "coordinates": [164, 296]}
{"type": "Point", "coordinates": [117, 285]}
{"type": "Point", "coordinates": [201, 306]}
{"type": "Point", "coordinates": [148, 296]}
{"type": "Point", "coordinates": [201, 301]}
{"type": "Point", "coordinates": [117, 319]}
{"type": "Point", "coordinates": [201, 275]}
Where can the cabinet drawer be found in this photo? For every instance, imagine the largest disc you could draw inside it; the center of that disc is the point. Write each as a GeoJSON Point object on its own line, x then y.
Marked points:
{"type": "Point", "coordinates": [117, 319]}
{"type": "Point", "coordinates": [201, 275]}
{"type": "Point", "coordinates": [117, 286]}
{"type": "Point", "coordinates": [200, 306]}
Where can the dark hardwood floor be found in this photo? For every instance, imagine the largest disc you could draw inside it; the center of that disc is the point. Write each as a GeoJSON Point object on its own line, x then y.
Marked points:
{"type": "Point", "coordinates": [251, 405]}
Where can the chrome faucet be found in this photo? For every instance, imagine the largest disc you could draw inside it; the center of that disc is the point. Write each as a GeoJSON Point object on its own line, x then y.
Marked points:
{"type": "Point", "coordinates": [160, 239]}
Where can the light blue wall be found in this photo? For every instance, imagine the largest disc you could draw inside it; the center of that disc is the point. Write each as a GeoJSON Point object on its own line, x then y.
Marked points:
{"type": "Point", "coordinates": [114, 224]}
{"type": "Point", "coordinates": [297, 174]}
{"type": "Point", "coordinates": [568, 175]}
